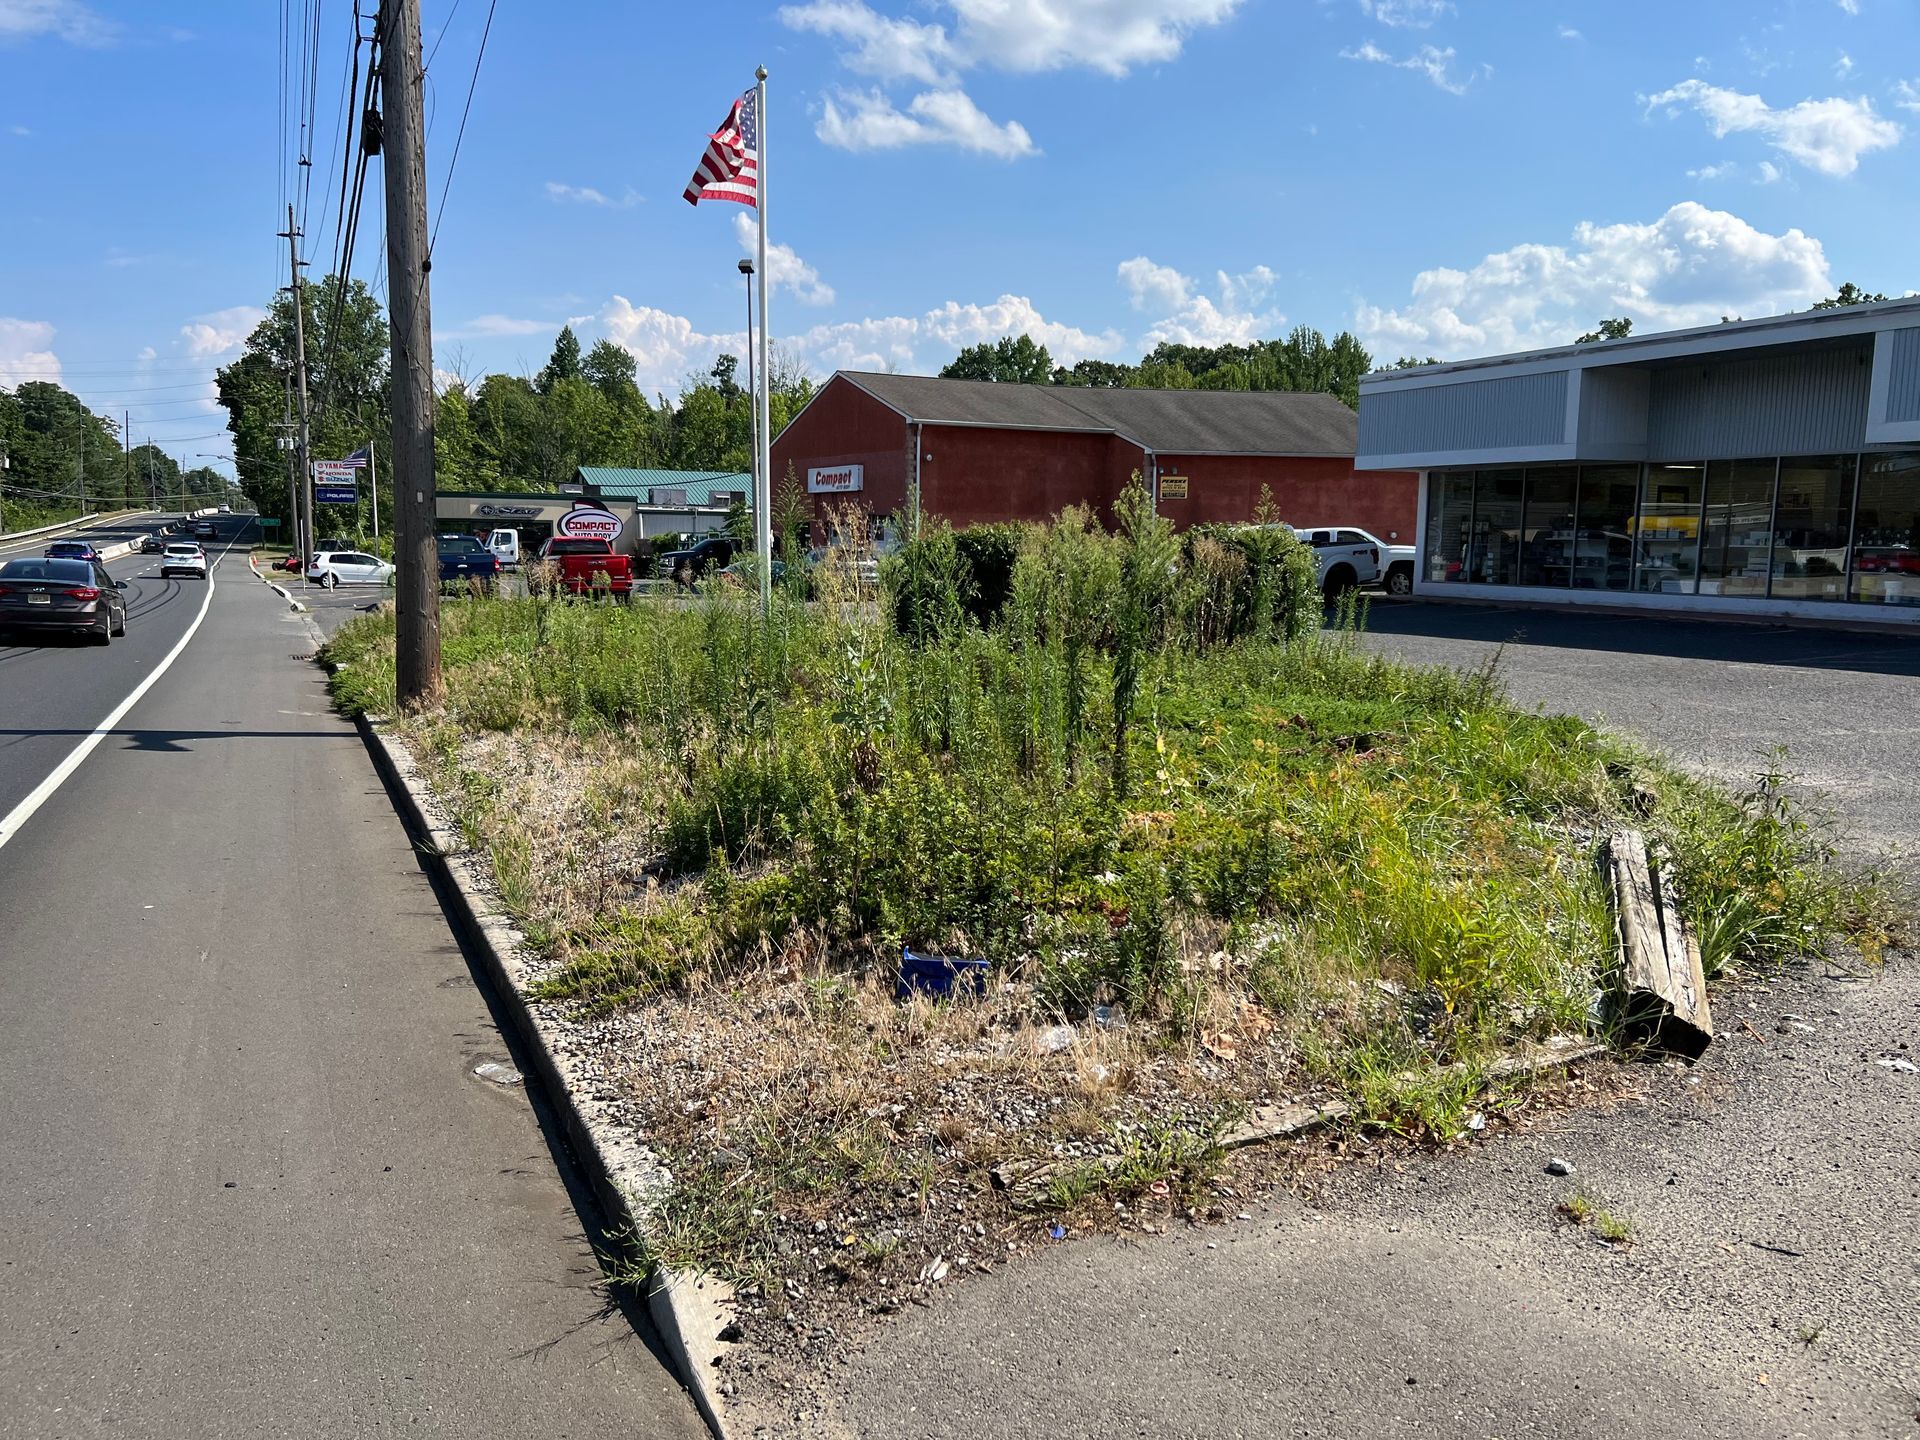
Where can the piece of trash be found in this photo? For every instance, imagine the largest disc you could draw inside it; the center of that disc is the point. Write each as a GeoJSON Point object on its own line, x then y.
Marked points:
{"type": "Point", "coordinates": [1053, 1040]}
{"type": "Point", "coordinates": [1160, 1187]}
{"type": "Point", "coordinates": [1109, 1017]}
{"type": "Point", "coordinates": [1894, 1062]}
{"type": "Point", "coordinates": [1777, 1250]}
{"type": "Point", "coordinates": [1476, 1121]}
{"type": "Point", "coordinates": [1056, 1232]}
{"type": "Point", "coordinates": [939, 975]}
{"type": "Point", "coordinates": [934, 1271]}
{"type": "Point", "coordinates": [1557, 1166]}
{"type": "Point", "coordinates": [499, 1074]}
{"type": "Point", "coordinates": [1220, 1045]}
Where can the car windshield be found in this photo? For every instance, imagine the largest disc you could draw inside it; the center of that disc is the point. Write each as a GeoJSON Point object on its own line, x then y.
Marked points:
{"type": "Point", "coordinates": [461, 545]}
{"type": "Point", "coordinates": [68, 547]}
{"type": "Point", "coordinates": [66, 572]}
{"type": "Point", "coordinates": [183, 549]}
{"type": "Point", "coordinates": [577, 547]}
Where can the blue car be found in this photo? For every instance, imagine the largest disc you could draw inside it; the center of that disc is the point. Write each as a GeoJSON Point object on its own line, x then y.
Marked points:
{"type": "Point", "coordinates": [73, 550]}
{"type": "Point", "coordinates": [464, 559]}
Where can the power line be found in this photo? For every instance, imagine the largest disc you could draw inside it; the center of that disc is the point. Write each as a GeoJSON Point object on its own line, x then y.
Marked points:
{"type": "Point", "coordinates": [460, 135]}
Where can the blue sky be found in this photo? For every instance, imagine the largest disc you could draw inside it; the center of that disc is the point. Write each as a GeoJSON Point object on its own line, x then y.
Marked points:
{"type": "Point", "coordinates": [1443, 178]}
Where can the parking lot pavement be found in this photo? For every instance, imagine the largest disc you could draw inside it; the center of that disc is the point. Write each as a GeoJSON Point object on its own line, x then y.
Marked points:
{"type": "Point", "coordinates": [1717, 696]}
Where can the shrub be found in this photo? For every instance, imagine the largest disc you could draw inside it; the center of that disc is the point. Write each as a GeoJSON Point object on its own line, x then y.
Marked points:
{"type": "Point", "coordinates": [989, 553]}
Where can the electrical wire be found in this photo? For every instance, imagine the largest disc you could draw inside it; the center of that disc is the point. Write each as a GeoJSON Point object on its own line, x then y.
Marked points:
{"type": "Point", "coordinates": [485, 31]}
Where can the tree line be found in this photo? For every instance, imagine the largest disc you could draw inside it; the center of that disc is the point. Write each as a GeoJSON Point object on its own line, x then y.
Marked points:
{"type": "Point", "coordinates": [496, 432]}
{"type": "Point", "coordinates": [1304, 361]}
{"type": "Point", "coordinates": [62, 460]}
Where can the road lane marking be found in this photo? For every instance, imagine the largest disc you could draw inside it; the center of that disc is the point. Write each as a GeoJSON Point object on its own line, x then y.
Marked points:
{"type": "Point", "coordinates": [18, 816]}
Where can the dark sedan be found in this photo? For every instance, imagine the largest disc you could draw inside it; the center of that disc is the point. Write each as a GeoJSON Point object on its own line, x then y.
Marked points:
{"type": "Point", "coordinates": [62, 594]}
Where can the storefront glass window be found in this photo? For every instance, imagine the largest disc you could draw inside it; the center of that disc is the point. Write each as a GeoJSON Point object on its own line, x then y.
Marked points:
{"type": "Point", "coordinates": [1737, 537]}
{"type": "Point", "coordinates": [1886, 530]}
{"type": "Point", "coordinates": [1493, 550]}
{"type": "Point", "coordinates": [1811, 523]}
{"type": "Point", "coordinates": [1602, 550]}
{"type": "Point", "coordinates": [1449, 516]}
{"type": "Point", "coordinates": [1667, 536]}
{"type": "Point", "coordinates": [1546, 533]}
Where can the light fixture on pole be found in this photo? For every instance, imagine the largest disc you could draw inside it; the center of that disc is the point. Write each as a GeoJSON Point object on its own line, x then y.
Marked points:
{"type": "Point", "coordinates": [753, 401]}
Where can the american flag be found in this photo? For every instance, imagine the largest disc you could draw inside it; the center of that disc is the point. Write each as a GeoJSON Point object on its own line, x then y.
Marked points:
{"type": "Point", "coordinates": [730, 170]}
{"type": "Point", "coordinates": [358, 457]}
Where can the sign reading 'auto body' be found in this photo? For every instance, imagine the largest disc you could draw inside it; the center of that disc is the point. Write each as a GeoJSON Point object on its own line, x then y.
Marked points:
{"type": "Point", "coordinates": [588, 522]}
{"type": "Point", "coordinates": [836, 480]}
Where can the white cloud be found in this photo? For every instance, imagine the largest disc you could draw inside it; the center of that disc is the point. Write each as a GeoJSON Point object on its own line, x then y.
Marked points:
{"type": "Point", "coordinates": [883, 47]}
{"type": "Point", "coordinates": [1714, 172]}
{"type": "Point", "coordinates": [1828, 135]}
{"type": "Point", "coordinates": [785, 269]}
{"type": "Point", "coordinates": [1852, 7]}
{"type": "Point", "coordinates": [1907, 94]}
{"type": "Point", "coordinates": [1019, 36]}
{"type": "Point", "coordinates": [147, 352]}
{"type": "Point", "coordinates": [1434, 63]}
{"type": "Point", "coordinates": [64, 19]}
{"type": "Point", "coordinates": [1843, 67]}
{"type": "Point", "coordinates": [935, 117]}
{"type": "Point", "coordinates": [26, 351]}
{"type": "Point", "coordinates": [494, 326]}
{"type": "Point", "coordinates": [20, 130]}
{"type": "Point", "coordinates": [1770, 172]}
{"type": "Point", "coordinates": [668, 347]}
{"type": "Point", "coordinates": [222, 331]}
{"type": "Point", "coordinates": [1689, 267]}
{"type": "Point", "coordinates": [587, 195]}
{"type": "Point", "coordinates": [1157, 287]}
{"type": "Point", "coordinates": [1418, 14]}
{"type": "Point", "coordinates": [1567, 32]}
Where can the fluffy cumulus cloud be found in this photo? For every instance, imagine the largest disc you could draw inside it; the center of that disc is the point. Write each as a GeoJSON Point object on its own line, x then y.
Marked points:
{"type": "Point", "coordinates": [1431, 61]}
{"type": "Point", "coordinates": [222, 331]}
{"type": "Point", "coordinates": [1827, 135]}
{"type": "Point", "coordinates": [61, 19]}
{"type": "Point", "coordinates": [787, 270]}
{"type": "Point", "coordinates": [1185, 314]}
{"type": "Point", "coordinates": [26, 351]}
{"type": "Point", "coordinates": [1014, 36]}
{"type": "Point", "coordinates": [1689, 267]}
{"type": "Point", "coordinates": [868, 120]}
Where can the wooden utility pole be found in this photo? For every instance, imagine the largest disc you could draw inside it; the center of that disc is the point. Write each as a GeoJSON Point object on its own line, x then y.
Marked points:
{"type": "Point", "coordinates": [417, 583]}
{"type": "Point", "coordinates": [301, 445]}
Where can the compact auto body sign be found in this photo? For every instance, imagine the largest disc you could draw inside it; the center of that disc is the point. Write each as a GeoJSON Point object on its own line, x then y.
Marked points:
{"type": "Point", "coordinates": [836, 480]}
{"type": "Point", "coordinates": [588, 522]}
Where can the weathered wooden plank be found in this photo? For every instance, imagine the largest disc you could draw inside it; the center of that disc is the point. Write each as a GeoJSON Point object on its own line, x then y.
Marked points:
{"type": "Point", "coordinates": [1282, 1122]}
{"type": "Point", "coordinates": [1660, 971]}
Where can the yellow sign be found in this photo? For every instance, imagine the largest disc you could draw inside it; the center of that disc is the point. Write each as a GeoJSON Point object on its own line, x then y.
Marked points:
{"type": "Point", "coordinates": [1173, 487]}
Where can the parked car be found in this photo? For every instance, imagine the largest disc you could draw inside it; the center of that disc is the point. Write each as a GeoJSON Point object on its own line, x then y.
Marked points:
{"type": "Point", "coordinates": [464, 560]}
{"type": "Point", "coordinates": [1396, 562]}
{"type": "Point", "coordinates": [584, 567]}
{"type": "Point", "coordinates": [334, 568]}
{"type": "Point", "coordinates": [332, 542]}
{"type": "Point", "coordinates": [72, 550]}
{"type": "Point", "coordinates": [864, 568]}
{"type": "Point", "coordinates": [1346, 558]}
{"type": "Point", "coordinates": [62, 593]}
{"type": "Point", "coordinates": [183, 557]}
{"type": "Point", "coordinates": [711, 552]}
{"type": "Point", "coordinates": [505, 545]}
{"type": "Point", "coordinates": [151, 545]}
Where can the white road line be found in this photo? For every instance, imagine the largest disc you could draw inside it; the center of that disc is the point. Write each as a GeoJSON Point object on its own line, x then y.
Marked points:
{"type": "Point", "coordinates": [24, 811]}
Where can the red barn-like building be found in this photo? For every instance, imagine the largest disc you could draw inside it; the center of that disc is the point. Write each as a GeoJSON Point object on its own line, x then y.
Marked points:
{"type": "Point", "coordinates": [978, 452]}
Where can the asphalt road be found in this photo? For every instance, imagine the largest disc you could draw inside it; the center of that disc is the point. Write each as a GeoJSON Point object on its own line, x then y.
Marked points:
{"type": "Point", "coordinates": [101, 532]}
{"type": "Point", "coordinates": [252, 1183]}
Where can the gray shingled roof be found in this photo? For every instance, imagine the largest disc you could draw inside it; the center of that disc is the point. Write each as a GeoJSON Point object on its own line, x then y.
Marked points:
{"type": "Point", "coordinates": [1171, 422]}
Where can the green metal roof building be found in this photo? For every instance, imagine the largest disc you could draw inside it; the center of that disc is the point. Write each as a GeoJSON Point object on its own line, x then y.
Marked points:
{"type": "Point", "coordinates": [674, 488]}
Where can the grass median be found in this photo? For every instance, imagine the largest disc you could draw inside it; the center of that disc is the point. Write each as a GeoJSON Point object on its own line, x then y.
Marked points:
{"type": "Point", "coordinates": [1214, 856]}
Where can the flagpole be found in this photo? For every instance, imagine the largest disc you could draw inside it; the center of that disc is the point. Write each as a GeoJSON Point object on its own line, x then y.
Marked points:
{"type": "Point", "coordinates": [763, 481]}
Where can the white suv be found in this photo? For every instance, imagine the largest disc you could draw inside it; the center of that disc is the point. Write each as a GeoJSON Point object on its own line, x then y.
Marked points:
{"type": "Point", "coordinates": [183, 557]}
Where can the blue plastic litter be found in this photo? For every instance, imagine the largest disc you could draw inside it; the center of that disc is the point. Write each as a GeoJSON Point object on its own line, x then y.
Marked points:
{"type": "Point", "coordinates": [939, 974]}
{"type": "Point", "coordinates": [1058, 1232]}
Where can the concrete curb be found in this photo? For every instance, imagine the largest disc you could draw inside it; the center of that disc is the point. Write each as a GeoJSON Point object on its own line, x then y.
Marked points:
{"type": "Point", "coordinates": [689, 1309]}
{"type": "Point", "coordinates": [280, 590]}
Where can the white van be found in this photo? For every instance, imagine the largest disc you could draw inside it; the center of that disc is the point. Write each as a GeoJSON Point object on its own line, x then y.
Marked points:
{"type": "Point", "coordinates": [505, 547]}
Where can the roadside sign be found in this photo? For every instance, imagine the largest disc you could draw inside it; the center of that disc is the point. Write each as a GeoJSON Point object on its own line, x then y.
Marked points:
{"type": "Point", "coordinates": [336, 494]}
{"type": "Point", "coordinates": [267, 522]}
{"type": "Point", "coordinates": [588, 522]}
{"type": "Point", "coordinates": [1173, 487]}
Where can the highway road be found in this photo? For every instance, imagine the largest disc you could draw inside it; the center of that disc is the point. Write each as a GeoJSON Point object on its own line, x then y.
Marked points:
{"type": "Point", "coordinates": [252, 1183]}
{"type": "Point", "coordinates": [101, 532]}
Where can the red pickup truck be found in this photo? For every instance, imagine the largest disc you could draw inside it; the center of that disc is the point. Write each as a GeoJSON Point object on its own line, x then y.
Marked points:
{"type": "Point", "coordinates": [584, 567]}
